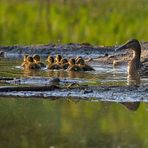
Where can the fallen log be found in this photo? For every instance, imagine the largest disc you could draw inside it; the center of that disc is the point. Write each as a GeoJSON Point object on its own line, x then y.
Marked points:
{"type": "Point", "coordinates": [105, 93]}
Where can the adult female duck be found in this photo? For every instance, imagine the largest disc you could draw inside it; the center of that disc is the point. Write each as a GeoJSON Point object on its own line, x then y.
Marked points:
{"type": "Point", "coordinates": [135, 66]}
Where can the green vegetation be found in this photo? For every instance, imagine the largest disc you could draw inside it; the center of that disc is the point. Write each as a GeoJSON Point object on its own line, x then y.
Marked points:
{"type": "Point", "coordinates": [106, 22]}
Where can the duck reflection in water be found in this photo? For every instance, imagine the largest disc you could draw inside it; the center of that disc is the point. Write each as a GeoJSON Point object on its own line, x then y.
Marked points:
{"type": "Point", "coordinates": [136, 69]}
{"type": "Point", "coordinates": [132, 106]}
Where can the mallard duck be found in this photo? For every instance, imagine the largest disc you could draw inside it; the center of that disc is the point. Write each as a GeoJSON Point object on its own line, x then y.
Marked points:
{"type": "Point", "coordinates": [58, 59]}
{"type": "Point", "coordinates": [64, 63]}
{"type": "Point", "coordinates": [82, 65]}
{"type": "Point", "coordinates": [36, 59]}
{"type": "Point", "coordinates": [25, 61]}
{"type": "Point", "coordinates": [72, 65]}
{"type": "Point", "coordinates": [52, 65]}
{"type": "Point", "coordinates": [30, 64]}
{"type": "Point", "coordinates": [135, 67]}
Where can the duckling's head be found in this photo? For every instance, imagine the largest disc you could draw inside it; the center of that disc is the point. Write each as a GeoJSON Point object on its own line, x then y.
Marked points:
{"type": "Point", "coordinates": [36, 57]}
{"type": "Point", "coordinates": [64, 61]}
{"type": "Point", "coordinates": [80, 61]}
{"type": "Point", "coordinates": [72, 61]}
{"type": "Point", "coordinates": [58, 58]}
{"type": "Point", "coordinates": [133, 44]}
{"type": "Point", "coordinates": [78, 57]}
{"type": "Point", "coordinates": [30, 59]}
{"type": "Point", "coordinates": [48, 58]}
{"type": "Point", "coordinates": [51, 59]}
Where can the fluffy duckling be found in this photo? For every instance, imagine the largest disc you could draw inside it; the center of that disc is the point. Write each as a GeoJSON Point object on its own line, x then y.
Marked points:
{"type": "Point", "coordinates": [73, 66]}
{"type": "Point", "coordinates": [77, 58]}
{"type": "Point", "coordinates": [52, 65]}
{"type": "Point", "coordinates": [58, 59]}
{"type": "Point", "coordinates": [36, 59]}
{"type": "Point", "coordinates": [64, 63]}
{"type": "Point", "coordinates": [82, 65]}
{"type": "Point", "coordinates": [25, 61]}
{"type": "Point", "coordinates": [31, 64]}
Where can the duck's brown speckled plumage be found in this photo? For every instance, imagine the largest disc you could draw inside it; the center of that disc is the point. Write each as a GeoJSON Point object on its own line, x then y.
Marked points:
{"type": "Point", "coordinates": [135, 66]}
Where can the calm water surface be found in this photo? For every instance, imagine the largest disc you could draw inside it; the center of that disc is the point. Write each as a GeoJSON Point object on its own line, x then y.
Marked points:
{"type": "Point", "coordinates": [64, 123]}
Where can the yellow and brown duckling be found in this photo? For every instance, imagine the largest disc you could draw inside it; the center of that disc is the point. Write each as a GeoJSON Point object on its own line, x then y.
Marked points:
{"type": "Point", "coordinates": [135, 67]}
{"type": "Point", "coordinates": [52, 64]}
{"type": "Point", "coordinates": [25, 61]}
{"type": "Point", "coordinates": [83, 66]}
{"type": "Point", "coordinates": [64, 63]}
{"type": "Point", "coordinates": [58, 59]}
{"type": "Point", "coordinates": [31, 64]}
{"type": "Point", "coordinates": [73, 66]}
{"type": "Point", "coordinates": [37, 60]}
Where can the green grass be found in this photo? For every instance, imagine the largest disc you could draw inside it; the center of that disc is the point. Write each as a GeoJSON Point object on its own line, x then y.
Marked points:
{"type": "Point", "coordinates": [104, 22]}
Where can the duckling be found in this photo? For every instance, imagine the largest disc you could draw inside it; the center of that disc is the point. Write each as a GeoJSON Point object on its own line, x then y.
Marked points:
{"type": "Point", "coordinates": [36, 59]}
{"type": "Point", "coordinates": [31, 64]}
{"type": "Point", "coordinates": [77, 58]}
{"type": "Point", "coordinates": [73, 66]}
{"type": "Point", "coordinates": [85, 67]}
{"type": "Point", "coordinates": [64, 63]}
{"type": "Point", "coordinates": [25, 61]}
{"type": "Point", "coordinates": [135, 67]}
{"type": "Point", "coordinates": [2, 53]}
{"type": "Point", "coordinates": [58, 59]}
{"type": "Point", "coordinates": [52, 65]}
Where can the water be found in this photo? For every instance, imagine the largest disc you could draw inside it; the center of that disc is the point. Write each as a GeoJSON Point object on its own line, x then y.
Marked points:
{"type": "Point", "coordinates": [61, 123]}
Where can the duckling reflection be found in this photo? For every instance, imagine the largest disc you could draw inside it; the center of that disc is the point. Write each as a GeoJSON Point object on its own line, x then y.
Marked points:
{"type": "Point", "coordinates": [31, 72]}
{"type": "Point", "coordinates": [135, 67]}
{"type": "Point", "coordinates": [133, 106]}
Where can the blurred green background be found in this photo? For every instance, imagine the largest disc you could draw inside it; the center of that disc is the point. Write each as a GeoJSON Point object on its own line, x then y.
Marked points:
{"type": "Point", "coordinates": [103, 22]}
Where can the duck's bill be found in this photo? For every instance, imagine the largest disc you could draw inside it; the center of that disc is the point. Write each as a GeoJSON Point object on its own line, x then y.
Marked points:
{"type": "Point", "coordinates": [125, 46]}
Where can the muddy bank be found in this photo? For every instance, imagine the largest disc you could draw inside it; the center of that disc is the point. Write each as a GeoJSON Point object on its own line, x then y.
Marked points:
{"type": "Point", "coordinates": [71, 49]}
{"type": "Point", "coordinates": [90, 52]}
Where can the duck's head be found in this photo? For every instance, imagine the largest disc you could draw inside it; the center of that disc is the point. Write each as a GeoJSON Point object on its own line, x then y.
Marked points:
{"type": "Point", "coordinates": [80, 61]}
{"type": "Point", "coordinates": [72, 61]}
{"type": "Point", "coordinates": [36, 57]}
{"type": "Point", "coordinates": [133, 44]}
